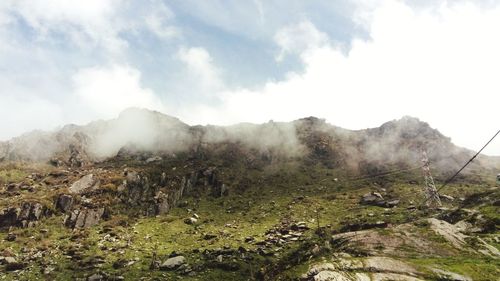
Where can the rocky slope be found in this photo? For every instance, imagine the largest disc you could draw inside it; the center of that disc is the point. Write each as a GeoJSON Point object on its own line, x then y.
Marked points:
{"type": "Point", "coordinates": [147, 197]}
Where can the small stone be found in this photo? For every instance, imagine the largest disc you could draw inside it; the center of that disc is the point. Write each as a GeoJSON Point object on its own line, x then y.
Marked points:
{"type": "Point", "coordinates": [95, 277]}
{"type": "Point", "coordinates": [9, 260]}
{"type": "Point", "coordinates": [11, 237]}
{"type": "Point", "coordinates": [47, 270]}
{"type": "Point", "coordinates": [190, 221]}
{"type": "Point", "coordinates": [209, 236]}
{"type": "Point", "coordinates": [249, 239]}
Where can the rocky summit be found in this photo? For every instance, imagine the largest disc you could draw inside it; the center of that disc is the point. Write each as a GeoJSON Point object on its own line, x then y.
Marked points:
{"type": "Point", "coordinates": [148, 197]}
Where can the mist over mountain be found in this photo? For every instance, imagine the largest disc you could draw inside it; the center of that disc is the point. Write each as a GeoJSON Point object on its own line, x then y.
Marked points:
{"type": "Point", "coordinates": [145, 194]}
{"type": "Point", "coordinates": [396, 142]}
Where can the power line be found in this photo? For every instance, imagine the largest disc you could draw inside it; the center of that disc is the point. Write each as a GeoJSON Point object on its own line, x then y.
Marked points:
{"type": "Point", "coordinates": [385, 173]}
{"type": "Point", "coordinates": [391, 172]}
{"type": "Point", "coordinates": [446, 182]}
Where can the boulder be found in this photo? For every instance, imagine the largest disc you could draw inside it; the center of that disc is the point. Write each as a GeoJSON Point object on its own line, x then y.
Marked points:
{"type": "Point", "coordinates": [173, 263]}
{"type": "Point", "coordinates": [12, 264]}
{"type": "Point", "coordinates": [85, 184]}
{"type": "Point", "coordinates": [376, 199]}
{"type": "Point", "coordinates": [64, 202]}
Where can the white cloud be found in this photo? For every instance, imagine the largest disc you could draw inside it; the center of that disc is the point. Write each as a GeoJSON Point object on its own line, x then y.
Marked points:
{"type": "Point", "coordinates": [87, 23]}
{"type": "Point", "coordinates": [440, 65]}
{"type": "Point", "coordinates": [159, 21]}
{"type": "Point", "coordinates": [109, 90]}
{"type": "Point", "coordinates": [201, 69]}
{"type": "Point", "coordinates": [299, 38]}
{"type": "Point", "coordinates": [92, 23]}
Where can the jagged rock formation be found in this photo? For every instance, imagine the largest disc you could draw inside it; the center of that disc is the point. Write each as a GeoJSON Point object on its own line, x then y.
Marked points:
{"type": "Point", "coordinates": [84, 217]}
{"type": "Point", "coordinates": [27, 215]}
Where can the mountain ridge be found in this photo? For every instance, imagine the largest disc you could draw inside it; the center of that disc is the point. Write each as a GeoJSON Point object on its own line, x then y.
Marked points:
{"type": "Point", "coordinates": [397, 141]}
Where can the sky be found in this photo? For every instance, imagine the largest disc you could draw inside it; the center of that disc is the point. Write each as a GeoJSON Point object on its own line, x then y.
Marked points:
{"type": "Point", "coordinates": [356, 63]}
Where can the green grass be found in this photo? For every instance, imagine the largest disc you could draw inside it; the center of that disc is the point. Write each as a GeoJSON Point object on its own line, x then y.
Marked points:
{"type": "Point", "coordinates": [259, 200]}
{"type": "Point", "coordinates": [478, 268]}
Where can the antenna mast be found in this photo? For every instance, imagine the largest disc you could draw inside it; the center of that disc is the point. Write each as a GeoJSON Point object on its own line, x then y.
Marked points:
{"type": "Point", "coordinates": [431, 193]}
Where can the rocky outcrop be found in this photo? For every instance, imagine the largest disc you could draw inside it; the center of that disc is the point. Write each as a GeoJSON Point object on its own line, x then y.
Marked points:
{"type": "Point", "coordinates": [155, 198]}
{"type": "Point", "coordinates": [85, 184]}
{"type": "Point", "coordinates": [27, 215]}
{"type": "Point", "coordinates": [347, 268]}
{"type": "Point", "coordinates": [84, 217]}
{"type": "Point", "coordinates": [64, 203]}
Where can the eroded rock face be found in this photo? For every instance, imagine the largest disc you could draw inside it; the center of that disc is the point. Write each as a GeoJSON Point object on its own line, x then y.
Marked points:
{"type": "Point", "coordinates": [154, 198]}
{"type": "Point", "coordinates": [84, 217]}
{"type": "Point", "coordinates": [27, 215]}
{"type": "Point", "coordinates": [85, 184]}
{"type": "Point", "coordinates": [213, 182]}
